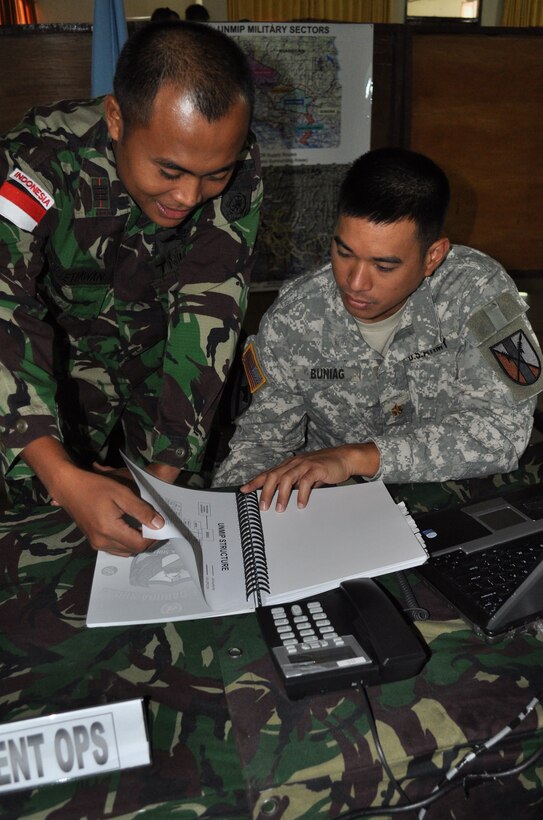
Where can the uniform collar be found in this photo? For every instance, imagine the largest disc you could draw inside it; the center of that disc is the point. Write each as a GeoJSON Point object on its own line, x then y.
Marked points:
{"type": "Point", "coordinates": [419, 326]}
{"type": "Point", "coordinates": [101, 192]}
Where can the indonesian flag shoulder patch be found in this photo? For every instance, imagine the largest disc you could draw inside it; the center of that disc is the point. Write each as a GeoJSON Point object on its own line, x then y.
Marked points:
{"type": "Point", "coordinates": [253, 370]}
{"type": "Point", "coordinates": [518, 358]}
{"type": "Point", "coordinates": [23, 200]}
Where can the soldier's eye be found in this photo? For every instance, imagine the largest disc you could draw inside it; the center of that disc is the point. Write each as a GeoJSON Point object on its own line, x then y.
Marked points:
{"type": "Point", "coordinates": [219, 177]}
{"type": "Point", "coordinates": [164, 174]}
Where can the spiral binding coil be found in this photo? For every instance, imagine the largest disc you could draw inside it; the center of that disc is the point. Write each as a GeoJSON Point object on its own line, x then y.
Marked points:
{"type": "Point", "coordinates": [252, 545]}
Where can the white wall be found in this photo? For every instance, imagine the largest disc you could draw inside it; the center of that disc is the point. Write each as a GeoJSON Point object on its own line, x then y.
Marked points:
{"type": "Point", "coordinates": [491, 16]}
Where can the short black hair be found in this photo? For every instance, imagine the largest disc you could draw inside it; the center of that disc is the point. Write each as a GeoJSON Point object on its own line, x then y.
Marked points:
{"type": "Point", "coordinates": [164, 13]}
{"type": "Point", "coordinates": [389, 184]}
{"type": "Point", "coordinates": [207, 64]}
{"type": "Point", "coordinates": [197, 12]}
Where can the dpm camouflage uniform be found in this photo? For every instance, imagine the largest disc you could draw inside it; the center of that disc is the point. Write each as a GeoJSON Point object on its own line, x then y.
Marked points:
{"type": "Point", "coordinates": [453, 396]}
{"type": "Point", "coordinates": [104, 314]}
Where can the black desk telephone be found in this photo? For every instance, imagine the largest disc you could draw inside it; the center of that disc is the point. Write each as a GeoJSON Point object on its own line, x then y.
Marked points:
{"type": "Point", "coordinates": [353, 634]}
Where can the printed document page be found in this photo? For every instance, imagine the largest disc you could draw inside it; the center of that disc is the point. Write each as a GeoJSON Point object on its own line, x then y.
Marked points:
{"type": "Point", "coordinates": [196, 573]}
{"type": "Point", "coordinates": [344, 532]}
{"type": "Point", "coordinates": [352, 531]}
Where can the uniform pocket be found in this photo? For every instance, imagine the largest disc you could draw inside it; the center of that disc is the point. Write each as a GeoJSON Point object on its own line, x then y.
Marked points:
{"type": "Point", "coordinates": [430, 381]}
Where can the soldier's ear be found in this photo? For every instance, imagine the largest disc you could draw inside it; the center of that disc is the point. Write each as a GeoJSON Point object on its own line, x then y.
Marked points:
{"type": "Point", "coordinates": [435, 255]}
{"type": "Point", "coordinates": [114, 118]}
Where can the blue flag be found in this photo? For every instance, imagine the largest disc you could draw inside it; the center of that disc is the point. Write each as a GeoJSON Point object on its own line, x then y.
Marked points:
{"type": "Point", "coordinates": [109, 34]}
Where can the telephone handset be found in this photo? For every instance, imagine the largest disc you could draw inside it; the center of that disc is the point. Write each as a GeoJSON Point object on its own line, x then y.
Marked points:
{"type": "Point", "coordinates": [335, 640]}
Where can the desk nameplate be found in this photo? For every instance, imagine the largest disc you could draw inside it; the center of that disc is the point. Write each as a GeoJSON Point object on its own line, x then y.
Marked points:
{"type": "Point", "coordinates": [70, 745]}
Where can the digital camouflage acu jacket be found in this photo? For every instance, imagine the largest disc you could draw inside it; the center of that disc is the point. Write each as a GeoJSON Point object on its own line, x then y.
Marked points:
{"type": "Point", "coordinates": [103, 313]}
{"type": "Point", "coordinates": [453, 396]}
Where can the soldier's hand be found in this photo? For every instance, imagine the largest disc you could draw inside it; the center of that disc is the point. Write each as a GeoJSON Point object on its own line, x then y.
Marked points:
{"type": "Point", "coordinates": [99, 504]}
{"type": "Point", "coordinates": [96, 501]}
{"type": "Point", "coordinates": [162, 471]}
{"type": "Point", "coordinates": [309, 470]}
{"type": "Point", "coordinates": [121, 474]}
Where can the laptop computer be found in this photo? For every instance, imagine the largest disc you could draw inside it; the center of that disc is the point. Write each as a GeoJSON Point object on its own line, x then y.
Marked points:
{"type": "Point", "coordinates": [486, 559]}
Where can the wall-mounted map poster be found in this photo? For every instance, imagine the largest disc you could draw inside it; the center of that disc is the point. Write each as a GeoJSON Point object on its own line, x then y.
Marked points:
{"type": "Point", "coordinates": [312, 118]}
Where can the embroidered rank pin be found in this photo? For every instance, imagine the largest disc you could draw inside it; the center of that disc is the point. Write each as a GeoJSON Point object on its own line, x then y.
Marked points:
{"type": "Point", "coordinates": [100, 195]}
{"type": "Point", "coordinates": [517, 358]}
{"type": "Point", "coordinates": [23, 201]}
{"type": "Point", "coordinates": [253, 370]}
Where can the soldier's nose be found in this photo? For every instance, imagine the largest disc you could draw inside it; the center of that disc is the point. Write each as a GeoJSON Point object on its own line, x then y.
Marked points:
{"type": "Point", "coordinates": [189, 193]}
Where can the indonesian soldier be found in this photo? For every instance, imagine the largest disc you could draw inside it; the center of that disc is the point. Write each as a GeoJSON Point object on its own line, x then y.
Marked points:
{"type": "Point", "coordinates": [127, 231]}
{"type": "Point", "coordinates": [407, 359]}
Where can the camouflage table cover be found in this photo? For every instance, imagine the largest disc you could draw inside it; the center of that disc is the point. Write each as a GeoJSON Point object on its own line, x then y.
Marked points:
{"type": "Point", "coordinates": [226, 742]}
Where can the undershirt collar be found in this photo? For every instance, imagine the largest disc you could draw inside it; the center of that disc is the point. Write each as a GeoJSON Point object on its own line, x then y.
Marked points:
{"type": "Point", "coordinates": [379, 335]}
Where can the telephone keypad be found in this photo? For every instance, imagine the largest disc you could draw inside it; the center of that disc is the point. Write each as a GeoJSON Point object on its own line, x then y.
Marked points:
{"type": "Point", "coordinates": [344, 637]}
{"type": "Point", "coordinates": [302, 630]}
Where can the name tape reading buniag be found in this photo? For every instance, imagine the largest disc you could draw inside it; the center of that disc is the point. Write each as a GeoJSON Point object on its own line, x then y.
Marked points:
{"type": "Point", "coordinates": [70, 745]}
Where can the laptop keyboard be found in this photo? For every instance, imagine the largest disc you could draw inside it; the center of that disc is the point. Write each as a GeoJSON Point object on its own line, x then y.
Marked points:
{"type": "Point", "coordinates": [489, 577]}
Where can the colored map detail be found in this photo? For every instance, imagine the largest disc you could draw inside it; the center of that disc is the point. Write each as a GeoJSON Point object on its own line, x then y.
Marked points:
{"type": "Point", "coordinates": [298, 100]}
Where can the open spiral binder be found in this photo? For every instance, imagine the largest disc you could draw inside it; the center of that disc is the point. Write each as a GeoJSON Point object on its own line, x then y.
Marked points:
{"type": "Point", "coordinates": [257, 579]}
{"type": "Point", "coordinates": [218, 554]}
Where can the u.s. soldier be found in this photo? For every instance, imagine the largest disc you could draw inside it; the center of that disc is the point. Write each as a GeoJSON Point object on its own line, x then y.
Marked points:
{"type": "Point", "coordinates": [406, 359]}
{"type": "Point", "coordinates": [127, 231]}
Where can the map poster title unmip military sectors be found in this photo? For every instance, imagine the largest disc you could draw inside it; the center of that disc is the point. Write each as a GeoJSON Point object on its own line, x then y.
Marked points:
{"type": "Point", "coordinates": [312, 119]}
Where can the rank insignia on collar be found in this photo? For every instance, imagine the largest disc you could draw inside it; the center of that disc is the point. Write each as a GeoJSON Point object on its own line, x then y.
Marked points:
{"type": "Point", "coordinates": [100, 195]}
{"type": "Point", "coordinates": [397, 410]}
{"type": "Point", "coordinates": [518, 358]}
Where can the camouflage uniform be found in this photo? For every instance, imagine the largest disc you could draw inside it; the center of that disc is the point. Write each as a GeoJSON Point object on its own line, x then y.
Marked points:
{"type": "Point", "coordinates": [453, 396]}
{"type": "Point", "coordinates": [105, 314]}
{"type": "Point", "coordinates": [225, 740]}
